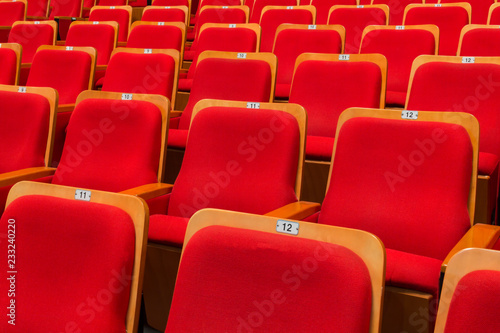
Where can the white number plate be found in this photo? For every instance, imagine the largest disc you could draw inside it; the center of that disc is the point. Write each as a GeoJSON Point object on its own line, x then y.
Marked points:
{"type": "Point", "coordinates": [406, 114]}
{"type": "Point", "coordinates": [287, 227]}
{"type": "Point", "coordinates": [82, 195]}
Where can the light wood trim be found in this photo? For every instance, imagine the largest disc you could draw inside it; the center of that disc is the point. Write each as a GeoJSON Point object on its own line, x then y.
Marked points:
{"type": "Point", "coordinates": [296, 210]}
{"type": "Point", "coordinates": [113, 24]}
{"type": "Point", "coordinates": [311, 9]}
{"type": "Point", "coordinates": [179, 25]}
{"type": "Point", "coordinates": [461, 264]}
{"type": "Point", "coordinates": [89, 50]}
{"type": "Point", "coordinates": [12, 177]}
{"type": "Point", "coordinates": [135, 207]}
{"type": "Point", "coordinates": [185, 9]}
{"type": "Point", "coordinates": [295, 110]}
{"type": "Point", "coordinates": [466, 120]}
{"type": "Point", "coordinates": [53, 24]}
{"type": "Point", "coordinates": [250, 26]}
{"type": "Point", "coordinates": [18, 50]}
{"type": "Point", "coordinates": [433, 29]}
{"type": "Point", "coordinates": [244, 8]}
{"type": "Point", "coordinates": [490, 11]}
{"type": "Point", "coordinates": [262, 56]}
{"type": "Point", "coordinates": [335, 27]}
{"type": "Point", "coordinates": [367, 246]}
{"type": "Point", "coordinates": [161, 102]}
{"type": "Point", "coordinates": [464, 5]}
{"type": "Point", "coordinates": [52, 97]}
{"type": "Point", "coordinates": [174, 54]}
{"type": "Point", "coordinates": [479, 236]}
{"type": "Point", "coordinates": [127, 8]}
{"type": "Point", "coordinates": [149, 191]}
{"type": "Point", "coordinates": [384, 8]}
{"type": "Point", "coordinates": [470, 27]}
{"type": "Point", "coordinates": [378, 59]}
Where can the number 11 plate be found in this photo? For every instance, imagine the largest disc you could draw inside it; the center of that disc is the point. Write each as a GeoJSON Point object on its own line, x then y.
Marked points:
{"type": "Point", "coordinates": [287, 227]}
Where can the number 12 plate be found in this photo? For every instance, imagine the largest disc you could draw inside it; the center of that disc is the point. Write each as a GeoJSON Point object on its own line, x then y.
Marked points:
{"type": "Point", "coordinates": [287, 227]}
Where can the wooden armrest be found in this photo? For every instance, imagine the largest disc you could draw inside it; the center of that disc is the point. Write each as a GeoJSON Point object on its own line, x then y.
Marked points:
{"type": "Point", "coordinates": [101, 67]}
{"type": "Point", "coordinates": [10, 178]}
{"type": "Point", "coordinates": [479, 236]}
{"type": "Point", "coordinates": [60, 42]}
{"type": "Point", "coordinates": [174, 114]}
{"type": "Point", "coordinates": [296, 210]}
{"type": "Point", "coordinates": [65, 108]}
{"type": "Point", "coordinates": [149, 191]}
{"type": "Point", "coordinates": [122, 44]}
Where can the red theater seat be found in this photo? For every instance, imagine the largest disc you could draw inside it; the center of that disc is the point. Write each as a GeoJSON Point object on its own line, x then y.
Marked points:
{"type": "Point", "coordinates": [323, 8]}
{"type": "Point", "coordinates": [257, 6]}
{"type": "Point", "coordinates": [396, 9]}
{"type": "Point", "coordinates": [10, 12]}
{"type": "Point", "coordinates": [120, 14]}
{"type": "Point", "coordinates": [10, 63]}
{"type": "Point", "coordinates": [166, 14]}
{"type": "Point", "coordinates": [479, 9]}
{"type": "Point", "coordinates": [479, 41]}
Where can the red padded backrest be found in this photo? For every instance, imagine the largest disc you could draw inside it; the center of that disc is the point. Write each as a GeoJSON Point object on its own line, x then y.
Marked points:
{"type": "Point", "coordinates": [481, 43]}
{"type": "Point", "coordinates": [406, 182]}
{"type": "Point", "coordinates": [271, 19]}
{"type": "Point", "coordinates": [355, 20]}
{"type": "Point", "coordinates": [111, 145]}
{"type": "Point", "coordinates": [238, 159]}
{"type": "Point", "coordinates": [37, 8]}
{"type": "Point", "coordinates": [66, 71]}
{"type": "Point", "coordinates": [228, 79]}
{"type": "Point", "coordinates": [24, 125]}
{"type": "Point", "coordinates": [99, 36]}
{"type": "Point", "coordinates": [31, 36]}
{"type": "Point", "coordinates": [323, 8]}
{"type": "Point", "coordinates": [224, 39]}
{"type": "Point", "coordinates": [474, 292]}
{"type": "Point", "coordinates": [71, 8]}
{"type": "Point", "coordinates": [204, 3]}
{"type": "Point", "coordinates": [140, 74]}
{"type": "Point", "coordinates": [290, 43]}
{"type": "Point", "coordinates": [258, 6]}
{"type": "Point", "coordinates": [121, 16]}
{"type": "Point", "coordinates": [112, 2]}
{"type": "Point", "coordinates": [450, 21]}
{"type": "Point", "coordinates": [171, 3]}
{"type": "Point", "coordinates": [218, 15]}
{"type": "Point", "coordinates": [326, 88]}
{"type": "Point", "coordinates": [400, 47]}
{"type": "Point", "coordinates": [495, 16]}
{"type": "Point", "coordinates": [396, 9]}
{"type": "Point", "coordinates": [472, 88]}
{"type": "Point", "coordinates": [10, 12]}
{"type": "Point", "coordinates": [71, 255]}
{"type": "Point", "coordinates": [8, 61]}
{"type": "Point", "coordinates": [479, 9]}
{"type": "Point", "coordinates": [164, 15]}
{"type": "Point", "coordinates": [155, 37]}
{"type": "Point", "coordinates": [255, 282]}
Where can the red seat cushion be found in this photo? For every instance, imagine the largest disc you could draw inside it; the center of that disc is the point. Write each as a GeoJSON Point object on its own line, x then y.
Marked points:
{"type": "Point", "coordinates": [177, 138]}
{"type": "Point", "coordinates": [487, 165]}
{"type": "Point", "coordinates": [8, 59]}
{"type": "Point", "coordinates": [185, 84]}
{"type": "Point", "coordinates": [236, 280]}
{"type": "Point", "coordinates": [167, 229]}
{"type": "Point", "coordinates": [319, 148]}
{"type": "Point", "coordinates": [59, 243]}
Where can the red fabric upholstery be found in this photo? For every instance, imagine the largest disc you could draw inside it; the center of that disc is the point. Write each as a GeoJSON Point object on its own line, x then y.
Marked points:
{"type": "Point", "coordinates": [402, 190]}
{"type": "Point", "coordinates": [260, 279]}
{"type": "Point", "coordinates": [10, 12]}
{"type": "Point", "coordinates": [481, 42]}
{"type": "Point", "coordinates": [471, 308]}
{"type": "Point", "coordinates": [258, 6]}
{"type": "Point", "coordinates": [400, 47]}
{"type": "Point", "coordinates": [155, 37]}
{"type": "Point", "coordinates": [171, 3]}
{"type": "Point", "coordinates": [218, 15]}
{"type": "Point", "coordinates": [323, 8]}
{"type": "Point", "coordinates": [119, 15]}
{"type": "Point", "coordinates": [204, 3]}
{"type": "Point", "coordinates": [488, 163]}
{"type": "Point", "coordinates": [355, 20]}
{"type": "Point", "coordinates": [450, 21]}
{"type": "Point", "coordinates": [24, 125]}
{"type": "Point", "coordinates": [219, 39]}
{"type": "Point", "coordinates": [111, 145]}
{"type": "Point", "coordinates": [228, 79]}
{"type": "Point", "coordinates": [167, 229]}
{"type": "Point", "coordinates": [61, 267]}
{"type": "Point", "coordinates": [99, 36]}
{"type": "Point", "coordinates": [479, 10]}
{"type": "Point", "coordinates": [66, 71]}
{"type": "Point", "coordinates": [70, 8]}
{"type": "Point", "coordinates": [495, 16]}
{"type": "Point", "coordinates": [471, 88]}
{"type": "Point", "coordinates": [396, 9]}
{"type": "Point", "coordinates": [31, 36]}
{"type": "Point", "coordinates": [271, 19]}
{"type": "Point", "coordinates": [112, 2]}
{"type": "Point", "coordinates": [164, 15]}
{"type": "Point", "coordinates": [8, 61]}
{"type": "Point", "coordinates": [290, 43]}
{"type": "Point", "coordinates": [38, 8]}
{"type": "Point", "coordinates": [177, 138]}
{"type": "Point", "coordinates": [140, 73]}
{"type": "Point", "coordinates": [325, 89]}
